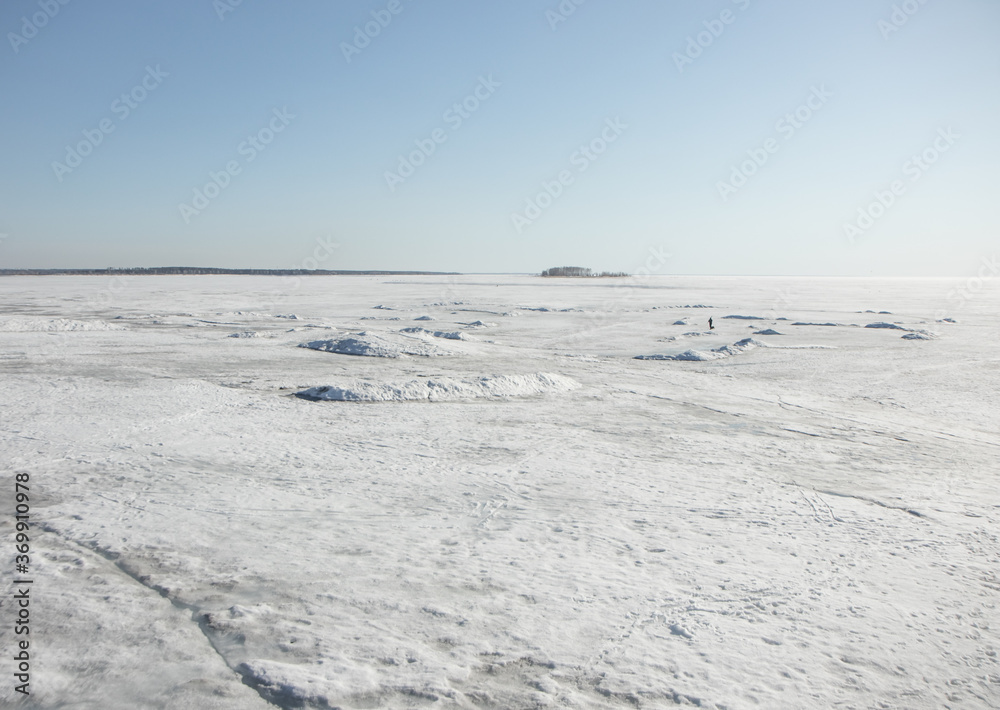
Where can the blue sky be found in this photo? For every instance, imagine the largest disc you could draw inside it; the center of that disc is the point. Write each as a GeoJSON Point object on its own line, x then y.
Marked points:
{"type": "Point", "coordinates": [739, 136]}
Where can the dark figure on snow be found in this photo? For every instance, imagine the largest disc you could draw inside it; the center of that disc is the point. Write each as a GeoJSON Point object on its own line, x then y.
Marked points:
{"type": "Point", "coordinates": [710, 326]}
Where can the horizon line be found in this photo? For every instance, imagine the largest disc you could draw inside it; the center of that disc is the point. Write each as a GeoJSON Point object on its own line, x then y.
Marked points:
{"type": "Point", "coordinates": [265, 271]}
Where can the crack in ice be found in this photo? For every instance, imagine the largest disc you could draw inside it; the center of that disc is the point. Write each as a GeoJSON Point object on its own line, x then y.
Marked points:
{"type": "Point", "coordinates": [196, 615]}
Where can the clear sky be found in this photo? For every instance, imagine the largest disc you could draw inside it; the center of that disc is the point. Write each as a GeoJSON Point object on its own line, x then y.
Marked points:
{"type": "Point", "coordinates": [857, 137]}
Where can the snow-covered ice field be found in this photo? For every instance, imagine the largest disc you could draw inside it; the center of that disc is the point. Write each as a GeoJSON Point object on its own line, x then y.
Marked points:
{"type": "Point", "coordinates": [520, 512]}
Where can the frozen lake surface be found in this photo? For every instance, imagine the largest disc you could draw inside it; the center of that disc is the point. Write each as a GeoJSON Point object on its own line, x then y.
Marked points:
{"type": "Point", "coordinates": [558, 493]}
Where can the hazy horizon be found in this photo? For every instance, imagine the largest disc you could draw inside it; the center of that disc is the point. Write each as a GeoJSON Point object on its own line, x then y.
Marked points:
{"type": "Point", "coordinates": [739, 137]}
{"type": "Point", "coordinates": [374, 271]}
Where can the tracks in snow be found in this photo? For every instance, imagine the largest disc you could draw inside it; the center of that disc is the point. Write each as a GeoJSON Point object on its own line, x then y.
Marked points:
{"type": "Point", "coordinates": [196, 614]}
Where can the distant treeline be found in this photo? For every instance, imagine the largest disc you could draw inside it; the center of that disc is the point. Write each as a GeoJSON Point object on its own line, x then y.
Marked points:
{"type": "Point", "coordinates": [194, 270]}
{"type": "Point", "coordinates": [580, 272]}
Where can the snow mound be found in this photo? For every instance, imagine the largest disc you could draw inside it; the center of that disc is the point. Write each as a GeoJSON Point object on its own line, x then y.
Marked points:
{"type": "Point", "coordinates": [311, 326]}
{"type": "Point", "coordinates": [250, 334]}
{"type": "Point", "coordinates": [447, 335]}
{"type": "Point", "coordinates": [825, 325]}
{"type": "Point", "coordinates": [687, 355]}
{"type": "Point", "coordinates": [892, 326]}
{"type": "Point", "coordinates": [53, 325]}
{"type": "Point", "coordinates": [692, 334]}
{"type": "Point", "coordinates": [425, 318]}
{"type": "Point", "coordinates": [911, 333]}
{"type": "Point", "coordinates": [684, 321]}
{"type": "Point", "coordinates": [769, 331]}
{"type": "Point", "coordinates": [444, 388]}
{"type": "Point", "coordinates": [289, 316]}
{"type": "Point", "coordinates": [736, 348]}
{"type": "Point", "coordinates": [288, 685]}
{"type": "Point", "coordinates": [801, 347]}
{"type": "Point", "coordinates": [376, 345]}
{"type": "Point", "coordinates": [947, 320]}
{"type": "Point", "coordinates": [725, 351]}
{"type": "Point", "coordinates": [746, 317]}
{"type": "Point", "coordinates": [479, 324]}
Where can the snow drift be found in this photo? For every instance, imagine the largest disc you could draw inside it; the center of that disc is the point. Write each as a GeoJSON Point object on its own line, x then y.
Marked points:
{"type": "Point", "coordinates": [447, 335]}
{"type": "Point", "coordinates": [911, 333]}
{"type": "Point", "coordinates": [250, 334]}
{"type": "Point", "coordinates": [725, 351]}
{"type": "Point", "coordinates": [444, 388]}
{"type": "Point", "coordinates": [377, 345]}
{"type": "Point", "coordinates": [736, 348]}
{"type": "Point", "coordinates": [50, 325]}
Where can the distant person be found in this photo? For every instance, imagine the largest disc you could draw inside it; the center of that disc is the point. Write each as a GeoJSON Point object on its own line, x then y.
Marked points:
{"type": "Point", "coordinates": [710, 326]}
